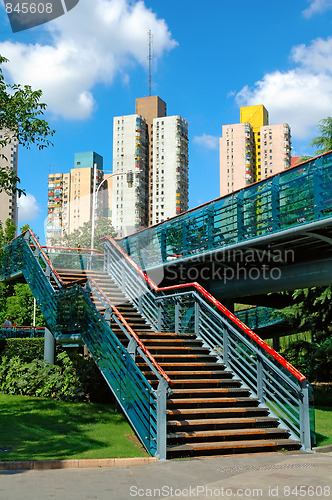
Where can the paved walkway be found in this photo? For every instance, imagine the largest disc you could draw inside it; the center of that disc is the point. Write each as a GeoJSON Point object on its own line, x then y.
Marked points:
{"type": "Point", "coordinates": [277, 475]}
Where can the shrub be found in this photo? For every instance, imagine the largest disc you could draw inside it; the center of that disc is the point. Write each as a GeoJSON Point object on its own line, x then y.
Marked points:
{"type": "Point", "coordinates": [313, 360]}
{"type": "Point", "coordinates": [26, 349]}
{"type": "Point", "coordinates": [39, 378]}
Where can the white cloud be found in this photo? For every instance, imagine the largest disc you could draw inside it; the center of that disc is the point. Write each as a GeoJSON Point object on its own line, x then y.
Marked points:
{"type": "Point", "coordinates": [207, 141]}
{"type": "Point", "coordinates": [28, 208]}
{"type": "Point", "coordinates": [317, 7]}
{"type": "Point", "coordinates": [301, 96]}
{"type": "Point", "coordinates": [91, 44]}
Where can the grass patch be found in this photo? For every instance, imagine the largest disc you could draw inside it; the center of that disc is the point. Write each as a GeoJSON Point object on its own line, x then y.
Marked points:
{"type": "Point", "coordinates": [44, 429]}
{"type": "Point", "coordinates": [323, 424]}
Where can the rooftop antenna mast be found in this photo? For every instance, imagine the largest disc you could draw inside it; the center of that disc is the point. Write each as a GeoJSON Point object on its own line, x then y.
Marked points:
{"type": "Point", "coordinates": [150, 61]}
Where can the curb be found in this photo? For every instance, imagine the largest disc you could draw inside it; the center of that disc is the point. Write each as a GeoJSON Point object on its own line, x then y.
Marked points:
{"type": "Point", "coordinates": [323, 449]}
{"type": "Point", "coordinates": [76, 464]}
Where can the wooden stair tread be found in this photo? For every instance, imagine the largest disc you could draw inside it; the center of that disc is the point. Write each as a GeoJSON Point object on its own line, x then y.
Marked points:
{"type": "Point", "coordinates": [232, 409]}
{"type": "Point", "coordinates": [259, 443]}
{"type": "Point", "coordinates": [227, 432]}
{"type": "Point", "coordinates": [211, 400]}
{"type": "Point", "coordinates": [217, 390]}
{"type": "Point", "coordinates": [223, 421]}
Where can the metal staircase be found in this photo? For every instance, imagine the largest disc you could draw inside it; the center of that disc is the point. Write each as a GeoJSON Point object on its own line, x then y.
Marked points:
{"type": "Point", "coordinates": [190, 377]}
{"type": "Point", "coordinates": [205, 415]}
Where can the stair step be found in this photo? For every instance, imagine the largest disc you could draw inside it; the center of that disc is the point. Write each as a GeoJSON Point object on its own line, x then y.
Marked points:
{"type": "Point", "coordinates": [206, 402]}
{"type": "Point", "coordinates": [227, 433]}
{"type": "Point", "coordinates": [224, 422]}
{"type": "Point", "coordinates": [216, 411]}
{"type": "Point", "coordinates": [234, 446]}
{"type": "Point", "coordinates": [208, 390]}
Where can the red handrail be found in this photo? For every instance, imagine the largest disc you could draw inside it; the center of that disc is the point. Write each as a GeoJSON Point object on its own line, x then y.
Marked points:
{"type": "Point", "coordinates": [297, 374]}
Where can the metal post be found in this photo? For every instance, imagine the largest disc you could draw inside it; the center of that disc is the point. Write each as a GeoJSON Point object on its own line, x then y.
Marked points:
{"type": "Point", "coordinates": [275, 203]}
{"type": "Point", "coordinates": [305, 416]}
{"type": "Point", "coordinates": [225, 346]}
{"type": "Point", "coordinates": [197, 316]}
{"type": "Point", "coordinates": [49, 347]}
{"type": "Point", "coordinates": [240, 215]}
{"type": "Point", "coordinates": [132, 347]}
{"type": "Point", "coordinates": [210, 228]}
{"type": "Point", "coordinates": [260, 381]}
{"type": "Point", "coordinates": [93, 208]}
{"type": "Point", "coordinates": [163, 245]}
{"type": "Point", "coordinates": [177, 324]}
{"type": "Point", "coordinates": [160, 318]}
{"type": "Point", "coordinates": [161, 419]}
{"type": "Point", "coordinates": [318, 189]}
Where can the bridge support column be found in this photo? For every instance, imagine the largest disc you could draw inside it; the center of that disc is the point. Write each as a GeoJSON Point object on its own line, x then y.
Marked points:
{"type": "Point", "coordinates": [49, 347]}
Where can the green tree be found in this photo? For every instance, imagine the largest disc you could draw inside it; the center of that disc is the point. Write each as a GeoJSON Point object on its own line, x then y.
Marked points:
{"type": "Point", "coordinates": [81, 237]}
{"type": "Point", "coordinates": [324, 141]}
{"type": "Point", "coordinates": [311, 311]}
{"type": "Point", "coordinates": [19, 307]}
{"type": "Point", "coordinates": [20, 118]}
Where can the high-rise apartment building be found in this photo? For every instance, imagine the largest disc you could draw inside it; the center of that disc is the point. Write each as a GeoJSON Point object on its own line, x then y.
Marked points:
{"type": "Point", "coordinates": [170, 167]}
{"type": "Point", "coordinates": [252, 150]}
{"type": "Point", "coordinates": [150, 107]}
{"type": "Point", "coordinates": [8, 202]}
{"type": "Point", "coordinates": [154, 148]}
{"type": "Point", "coordinates": [130, 185]}
{"type": "Point", "coordinates": [70, 196]}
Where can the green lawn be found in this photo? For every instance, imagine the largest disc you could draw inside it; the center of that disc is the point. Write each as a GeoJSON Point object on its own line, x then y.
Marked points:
{"type": "Point", "coordinates": [41, 429]}
{"type": "Point", "coordinates": [44, 429]}
{"type": "Point", "coordinates": [323, 423]}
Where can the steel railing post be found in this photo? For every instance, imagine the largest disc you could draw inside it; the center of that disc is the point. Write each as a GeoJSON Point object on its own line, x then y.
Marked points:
{"type": "Point", "coordinates": [161, 419]}
{"type": "Point", "coordinates": [160, 316]}
{"type": "Point", "coordinates": [317, 174]}
{"type": "Point", "coordinates": [197, 316]}
{"type": "Point", "coordinates": [275, 203]}
{"type": "Point", "coordinates": [305, 433]}
{"type": "Point", "coordinates": [177, 324]}
{"type": "Point", "coordinates": [260, 379]}
{"type": "Point", "coordinates": [225, 346]}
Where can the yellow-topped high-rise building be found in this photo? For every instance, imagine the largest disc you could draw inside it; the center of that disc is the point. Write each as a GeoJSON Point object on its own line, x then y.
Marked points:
{"type": "Point", "coordinates": [252, 149]}
{"type": "Point", "coordinates": [258, 117]}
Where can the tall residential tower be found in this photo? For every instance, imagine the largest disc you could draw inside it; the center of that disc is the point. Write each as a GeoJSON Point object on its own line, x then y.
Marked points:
{"type": "Point", "coordinates": [252, 150]}
{"type": "Point", "coordinates": [153, 148]}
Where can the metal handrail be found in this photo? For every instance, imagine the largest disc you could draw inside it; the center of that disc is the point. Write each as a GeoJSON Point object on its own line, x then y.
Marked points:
{"type": "Point", "coordinates": [221, 223]}
{"type": "Point", "coordinates": [257, 372]}
{"type": "Point", "coordinates": [146, 407]}
{"type": "Point", "coordinates": [297, 374]}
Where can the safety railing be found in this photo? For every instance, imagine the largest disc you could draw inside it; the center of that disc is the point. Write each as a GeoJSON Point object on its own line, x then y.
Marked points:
{"type": "Point", "coordinates": [190, 308]}
{"type": "Point", "coordinates": [71, 311]}
{"type": "Point", "coordinates": [16, 332]}
{"type": "Point", "coordinates": [74, 258]}
{"type": "Point", "coordinates": [260, 317]}
{"type": "Point", "coordinates": [294, 197]}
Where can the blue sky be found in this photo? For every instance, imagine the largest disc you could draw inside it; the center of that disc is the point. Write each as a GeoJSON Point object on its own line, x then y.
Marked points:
{"type": "Point", "coordinates": [209, 59]}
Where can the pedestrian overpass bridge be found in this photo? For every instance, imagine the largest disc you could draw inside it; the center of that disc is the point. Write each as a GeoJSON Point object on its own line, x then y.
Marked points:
{"type": "Point", "coordinates": [189, 375]}
{"type": "Point", "coordinates": [271, 236]}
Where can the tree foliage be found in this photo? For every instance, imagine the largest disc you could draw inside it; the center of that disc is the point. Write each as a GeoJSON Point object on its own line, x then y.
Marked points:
{"type": "Point", "coordinates": [311, 311]}
{"type": "Point", "coordinates": [81, 237]}
{"type": "Point", "coordinates": [324, 141]}
{"type": "Point", "coordinates": [20, 118]}
{"type": "Point", "coordinates": [20, 306]}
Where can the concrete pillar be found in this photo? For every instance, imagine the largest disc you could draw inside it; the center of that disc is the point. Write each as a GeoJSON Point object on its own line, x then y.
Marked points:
{"type": "Point", "coordinates": [49, 347]}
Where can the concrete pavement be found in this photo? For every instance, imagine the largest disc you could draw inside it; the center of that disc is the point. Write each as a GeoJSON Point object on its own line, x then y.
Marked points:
{"type": "Point", "coordinates": [274, 475]}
